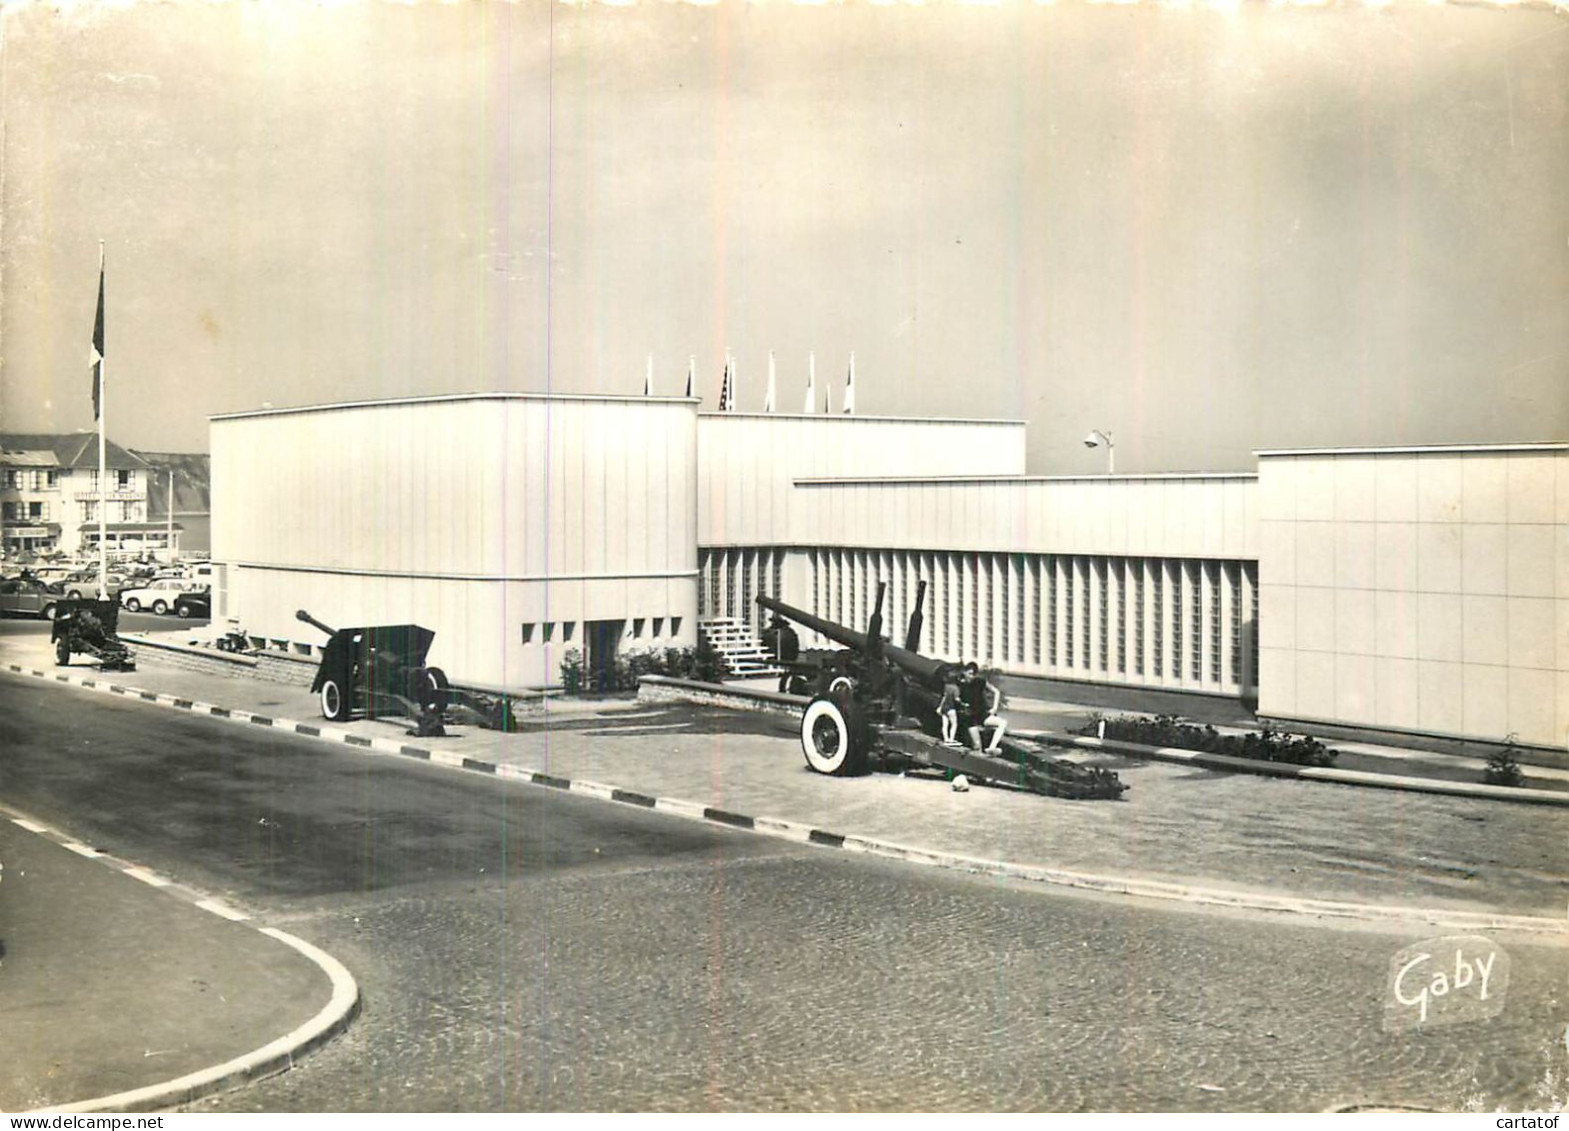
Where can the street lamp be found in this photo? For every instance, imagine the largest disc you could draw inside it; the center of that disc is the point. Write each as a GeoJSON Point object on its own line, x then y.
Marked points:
{"type": "Point", "coordinates": [1095, 439]}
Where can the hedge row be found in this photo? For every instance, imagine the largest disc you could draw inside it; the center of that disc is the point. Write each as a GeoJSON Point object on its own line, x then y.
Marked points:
{"type": "Point", "coordinates": [1167, 730]}
{"type": "Point", "coordinates": [700, 663]}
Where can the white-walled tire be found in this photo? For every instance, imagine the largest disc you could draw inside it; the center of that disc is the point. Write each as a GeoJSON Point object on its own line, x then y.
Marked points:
{"type": "Point", "coordinates": [334, 701]}
{"type": "Point", "coordinates": [432, 689]}
{"type": "Point", "coordinates": [832, 738]}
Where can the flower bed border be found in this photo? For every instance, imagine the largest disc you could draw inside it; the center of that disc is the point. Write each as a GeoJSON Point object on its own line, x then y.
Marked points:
{"type": "Point", "coordinates": [1170, 732]}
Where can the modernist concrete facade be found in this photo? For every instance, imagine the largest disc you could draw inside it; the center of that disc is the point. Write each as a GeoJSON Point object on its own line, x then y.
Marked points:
{"type": "Point", "coordinates": [514, 525]}
{"type": "Point", "coordinates": [1148, 580]}
{"type": "Point", "coordinates": [1421, 589]}
{"type": "Point", "coordinates": [1416, 589]}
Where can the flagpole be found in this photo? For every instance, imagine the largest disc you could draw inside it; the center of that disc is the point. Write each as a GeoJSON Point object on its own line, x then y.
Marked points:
{"type": "Point", "coordinates": [103, 472]}
{"type": "Point", "coordinates": [168, 537]}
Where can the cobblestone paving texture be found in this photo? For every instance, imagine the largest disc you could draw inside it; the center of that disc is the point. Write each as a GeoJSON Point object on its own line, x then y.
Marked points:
{"type": "Point", "coordinates": [789, 983]}
{"type": "Point", "coordinates": [1176, 824]}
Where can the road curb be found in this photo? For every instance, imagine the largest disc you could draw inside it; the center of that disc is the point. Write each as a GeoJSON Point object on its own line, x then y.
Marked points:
{"type": "Point", "coordinates": [274, 1057]}
{"type": "Point", "coordinates": [806, 834]}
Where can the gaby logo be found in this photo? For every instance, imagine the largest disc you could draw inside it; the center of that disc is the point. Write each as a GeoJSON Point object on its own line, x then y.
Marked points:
{"type": "Point", "coordinates": [1445, 981]}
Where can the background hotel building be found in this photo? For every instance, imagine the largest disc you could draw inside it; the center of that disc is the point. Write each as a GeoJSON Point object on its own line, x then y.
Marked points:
{"type": "Point", "coordinates": [49, 497]}
{"type": "Point", "coordinates": [1417, 589]}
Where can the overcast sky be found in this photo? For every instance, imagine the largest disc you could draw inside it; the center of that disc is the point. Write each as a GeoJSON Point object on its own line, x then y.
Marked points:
{"type": "Point", "coordinates": [1205, 231]}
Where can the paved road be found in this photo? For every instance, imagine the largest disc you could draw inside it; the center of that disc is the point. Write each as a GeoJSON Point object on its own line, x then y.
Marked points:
{"type": "Point", "coordinates": [129, 622]}
{"type": "Point", "coordinates": [518, 948]}
{"type": "Point", "coordinates": [108, 986]}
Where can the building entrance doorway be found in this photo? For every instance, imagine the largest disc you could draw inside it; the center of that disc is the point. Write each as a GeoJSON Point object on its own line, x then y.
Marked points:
{"type": "Point", "coordinates": [600, 641]}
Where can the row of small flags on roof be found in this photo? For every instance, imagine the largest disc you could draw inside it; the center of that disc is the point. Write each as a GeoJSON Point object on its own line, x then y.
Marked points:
{"type": "Point", "coordinates": [727, 385]}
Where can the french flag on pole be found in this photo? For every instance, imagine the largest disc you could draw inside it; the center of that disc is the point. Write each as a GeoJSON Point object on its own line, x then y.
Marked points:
{"type": "Point", "coordinates": [96, 358]}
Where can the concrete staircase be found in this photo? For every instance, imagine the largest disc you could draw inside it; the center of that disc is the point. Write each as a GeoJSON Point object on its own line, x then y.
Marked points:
{"type": "Point", "coordinates": [735, 641]}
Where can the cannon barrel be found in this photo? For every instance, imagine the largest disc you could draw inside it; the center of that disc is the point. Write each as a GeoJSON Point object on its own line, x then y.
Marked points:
{"type": "Point", "coordinates": [874, 627]}
{"type": "Point", "coordinates": [912, 663]}
{"type": "Point", "coordinates": [912, 637]}
{"type": "Point", "coordinates": [301, 614]}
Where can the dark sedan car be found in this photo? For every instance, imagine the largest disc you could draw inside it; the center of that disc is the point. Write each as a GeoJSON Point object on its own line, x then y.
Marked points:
{"type": "Point", "coordinates": [29, 596]}
{"type": "Point", "coordinates": [189, 605]}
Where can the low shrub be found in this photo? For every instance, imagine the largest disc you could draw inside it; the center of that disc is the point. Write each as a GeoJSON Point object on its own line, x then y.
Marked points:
{"type": "Point", "coordinates": [700, 663]}
{"type": "Point", "coordinates": [572, 671]}
{"type": "Point", "coordinates": [1267, 745]}
{"type": "Point", "coordinates": [1502, 766]}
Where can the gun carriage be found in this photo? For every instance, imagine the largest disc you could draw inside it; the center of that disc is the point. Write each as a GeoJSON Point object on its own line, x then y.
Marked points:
{"type": "Point", "coordinates": [372, 672]}
{"type": "Point", "coordinates": [82, 624]}
{"type": "Point", "coordinates": [875, 705]}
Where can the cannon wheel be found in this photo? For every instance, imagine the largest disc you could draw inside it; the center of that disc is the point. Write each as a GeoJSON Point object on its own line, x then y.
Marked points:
{"type": "Point", "coordinates": [334, 701]}
{"type": "Point", "coordinates": [432, 687]}
{"type": "Point", "coordinates": [832, 736]}
{"type": "Point", "coordinates": [62, 652]}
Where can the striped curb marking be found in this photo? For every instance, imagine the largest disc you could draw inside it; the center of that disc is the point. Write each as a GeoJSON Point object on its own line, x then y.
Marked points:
{"type": "Point", "coordinates": [805, 834]}
{"type": "Point", "coordinates": [274, 1057]}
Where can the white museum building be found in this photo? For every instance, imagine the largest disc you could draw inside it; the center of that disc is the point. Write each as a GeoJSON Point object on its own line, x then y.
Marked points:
{"type": "Point", "coordinates": [1418, 589]}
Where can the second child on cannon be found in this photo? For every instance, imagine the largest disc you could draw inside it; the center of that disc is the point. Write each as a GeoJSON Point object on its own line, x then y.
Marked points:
{"type": "Point", "coordinates": [983, 703]}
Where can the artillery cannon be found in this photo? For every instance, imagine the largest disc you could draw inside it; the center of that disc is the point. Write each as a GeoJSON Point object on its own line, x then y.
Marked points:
{"type": "Point", "coordinates": [82, 624]}
{"type": "Point", "coordinates": [875, 704]}
{"type": "Point", "coordinates": [371, 672]}
{"type": "Point", "coordinates": [817, 671]}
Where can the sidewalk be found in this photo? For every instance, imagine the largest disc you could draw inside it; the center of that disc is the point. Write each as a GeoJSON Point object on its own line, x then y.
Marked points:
{"type": "Point", "coordinates": [108, 985]}
{"type": "Point", "coordinates": [1176, 825]}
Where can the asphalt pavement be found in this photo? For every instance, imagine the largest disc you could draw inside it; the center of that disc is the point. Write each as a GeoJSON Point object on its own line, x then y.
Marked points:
{"type": "Point", "coordinates": [108, 985]}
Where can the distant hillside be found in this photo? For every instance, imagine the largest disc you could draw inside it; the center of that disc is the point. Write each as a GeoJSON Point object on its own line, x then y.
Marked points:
{"type": "Point", "coordinates": [192, 483]}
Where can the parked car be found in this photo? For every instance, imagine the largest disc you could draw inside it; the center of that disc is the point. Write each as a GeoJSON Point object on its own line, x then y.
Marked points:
{"type": "Point", "coordinates": [29, 597]}
{"type": "Point", "coordinates": [84, 583]}
{"type": "Point", "coordinates": [52, 574]}
{"type": "Point", "coordinates": [199, 571]}
{"type": "Point", "coordinates": [158, 596]}
{"type": "Point", "coordinates": [198, 605]}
